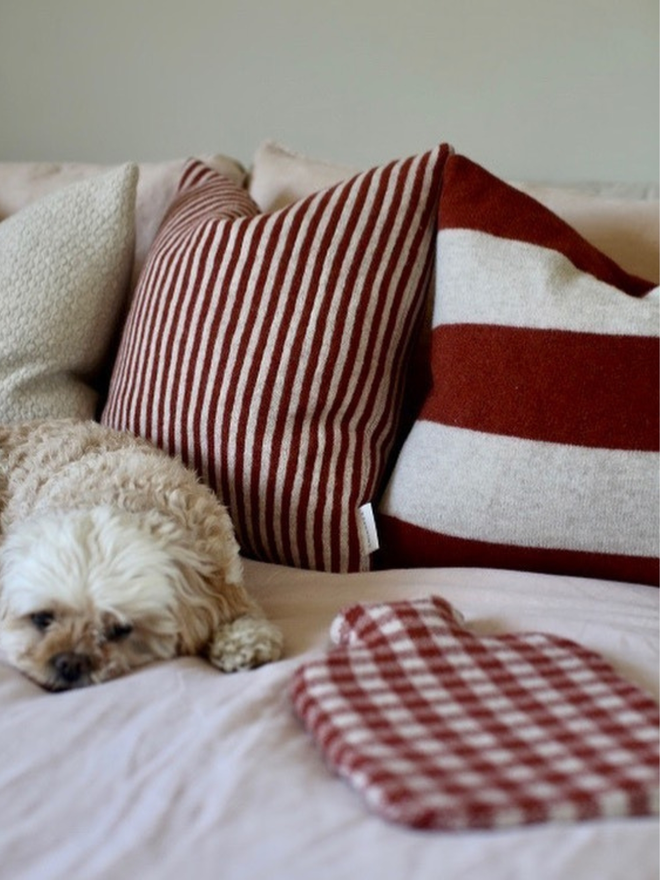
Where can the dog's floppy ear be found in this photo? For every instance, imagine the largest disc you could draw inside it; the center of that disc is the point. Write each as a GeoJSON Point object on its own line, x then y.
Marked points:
{"type": "Point", "coordinates": [204, 598]}
{"type": "Point", "coordinates": [196, 607]}
{"type": "Point", "coordinates": [209, 575]}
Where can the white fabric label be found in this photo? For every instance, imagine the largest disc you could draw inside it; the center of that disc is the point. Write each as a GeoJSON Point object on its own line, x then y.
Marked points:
{"type": "Point", "coordinates": [368, 529]}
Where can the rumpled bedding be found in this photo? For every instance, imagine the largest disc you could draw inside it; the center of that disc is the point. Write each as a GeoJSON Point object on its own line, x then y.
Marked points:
{"type": "Point", "coordinates": [179, 771]}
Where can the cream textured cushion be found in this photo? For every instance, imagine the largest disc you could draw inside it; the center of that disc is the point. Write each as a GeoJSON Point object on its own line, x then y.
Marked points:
{"type": "Point", "coordinates": [65, 264]}
{"type": "Point", "coordinates": [620, 220]}
{"type": "Point", "coordinates": [21, 183]}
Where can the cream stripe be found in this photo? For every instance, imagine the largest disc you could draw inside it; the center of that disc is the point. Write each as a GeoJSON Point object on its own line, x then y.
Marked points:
{"type": "Point", "coordinates": [201, 317]}
{"type": "Point", "coordinates": [254, 340]}
{"type": "Point", "coordinates": [262, 346]}
{"type": "Point", "coordinates": [291, 397]}
{"type": "Point", "coordinates": [170, 334]}
{"type": "Point", "coordinates": [238, 358]}
{"type": "Point", "coordinates": [163, 275]}
{"type": "Point", "coordinates": [483, 279]}
{"type": "Point", "coordinates": [334, 325]}
{"type": "Point", "coordinates": [176, 333]}
{"type": "Point", "coordinates": [376, 297]}
{"type": "Point", "coordinates": [383, 301]}
{"type": "Point", "coordinates": [379, 300]}
{"type": "Point", "coordinates": [527, 493]}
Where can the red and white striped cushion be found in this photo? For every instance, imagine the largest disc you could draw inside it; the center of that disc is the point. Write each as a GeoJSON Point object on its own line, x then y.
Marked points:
{"type": "Point", "coordinates": [270, 351]}
{"type": "Point", "coordinates": [536, 447]}
{"type": "Point", "coordinates": [439, 728]}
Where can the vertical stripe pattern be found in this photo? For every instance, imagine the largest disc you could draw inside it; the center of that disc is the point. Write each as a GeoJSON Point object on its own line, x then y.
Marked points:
{"type": "Point", "coordinates": [537, 445]}
{"type": "Point", "coordinates": [270, 351]}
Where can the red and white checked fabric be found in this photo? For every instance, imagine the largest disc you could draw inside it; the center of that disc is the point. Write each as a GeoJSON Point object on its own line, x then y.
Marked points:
{"type": "Point", "coordinates": [271, 351]}
{"type": "Point", "coordinates": [439, 728]}
{"type": "Point", "coordinates": [536, 447]}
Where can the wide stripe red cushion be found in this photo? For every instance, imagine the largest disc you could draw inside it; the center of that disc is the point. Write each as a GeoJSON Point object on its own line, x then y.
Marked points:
{"type": "Point", "coordinates": [537, 446]}
{"type": "Point", "coordinates": [270, 351]}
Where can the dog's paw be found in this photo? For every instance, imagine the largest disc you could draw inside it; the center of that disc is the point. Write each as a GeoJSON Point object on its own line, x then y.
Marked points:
{"type": "Point", "coordinates": [245, 643]}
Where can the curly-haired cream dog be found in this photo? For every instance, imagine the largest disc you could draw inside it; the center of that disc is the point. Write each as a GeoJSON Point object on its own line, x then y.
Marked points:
{"type": "Point", "coordinates": [112, 555]}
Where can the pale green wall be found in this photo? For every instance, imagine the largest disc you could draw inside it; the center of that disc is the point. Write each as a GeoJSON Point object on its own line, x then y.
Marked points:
{"type": "Point", "coordinates": [535, 89]}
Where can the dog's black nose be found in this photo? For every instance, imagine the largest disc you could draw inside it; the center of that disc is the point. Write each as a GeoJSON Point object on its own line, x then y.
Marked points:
{"type": "Point", "coordinates": [71, 666]}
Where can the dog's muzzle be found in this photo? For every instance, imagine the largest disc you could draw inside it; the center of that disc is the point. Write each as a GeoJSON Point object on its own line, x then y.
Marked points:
{"type": "Point", "coordinates": [72, 669]}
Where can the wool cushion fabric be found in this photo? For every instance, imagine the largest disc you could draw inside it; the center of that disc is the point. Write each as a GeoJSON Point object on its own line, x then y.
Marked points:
{"type": "Point", "coordinates": [65, 264]}
{"type": "Point", "coordinates": [440, 728]}
{"type": "Point", "coordinates": [270, 351]}
{"type": "Point", "coordinates": [537, 446]}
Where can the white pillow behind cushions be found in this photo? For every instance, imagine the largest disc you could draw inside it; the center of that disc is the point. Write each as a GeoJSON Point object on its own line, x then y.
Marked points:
{"type": "Point", "coordinates": [65, 264]}
{"type": "Point", "coordinates": [280, 176]}
{"type": "Point", "coordinates": [626, 229]}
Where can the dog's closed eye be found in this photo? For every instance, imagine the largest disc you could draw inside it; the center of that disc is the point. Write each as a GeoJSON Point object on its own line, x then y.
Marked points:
{"type": "Point", "coordinates": [42, 619]}
{"type": "Point", "coordinates": [118, 631]}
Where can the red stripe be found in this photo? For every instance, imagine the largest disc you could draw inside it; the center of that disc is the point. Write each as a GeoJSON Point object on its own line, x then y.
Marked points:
{"type": "Point", "coordinates": [584, 389]}
{"type": "Point", "coordinates": [173, 344]}
{"type": "Point", "coordinates": [472, 198]}
{"type": "Point", "coordinates": [166, 304]}
{"type": "Point", "coordinates": [191, 397]}
{"type": "Point", "coordinates": [217, 402]}
{"type": "Point", "coordinates": [416, 547]}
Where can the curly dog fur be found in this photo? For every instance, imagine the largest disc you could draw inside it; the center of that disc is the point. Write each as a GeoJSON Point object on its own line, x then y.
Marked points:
{"type": "Point", "coordinates": [112, 555]}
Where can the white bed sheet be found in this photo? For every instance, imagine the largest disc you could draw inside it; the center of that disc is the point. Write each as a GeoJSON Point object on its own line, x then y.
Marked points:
{"type": "Point", "coordinates": [180, 772]}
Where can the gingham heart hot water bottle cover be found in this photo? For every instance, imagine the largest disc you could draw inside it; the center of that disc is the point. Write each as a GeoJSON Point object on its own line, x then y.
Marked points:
{"type": "Point", "coordinates": [439, 728]}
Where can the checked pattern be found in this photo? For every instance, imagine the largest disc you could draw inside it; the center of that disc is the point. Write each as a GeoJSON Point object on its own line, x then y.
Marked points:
{"type": "Point", "coordinates": [439, 728]}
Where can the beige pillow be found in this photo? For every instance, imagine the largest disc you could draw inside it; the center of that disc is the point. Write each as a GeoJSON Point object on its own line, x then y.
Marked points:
{"type": "Point", "coordinates": [21, 183]}
{"type": "Point", "coordinates": [280, 176]}
{"type": "Point", "coordinates": [625, 228]}
{"type": "Point", "coordinates": [65, 263]}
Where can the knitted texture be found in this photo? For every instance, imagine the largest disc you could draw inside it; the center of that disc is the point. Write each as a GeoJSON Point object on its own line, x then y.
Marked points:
{"type": "Point", "coordinates": [65, 264]}
{"type": "Point", "coordinates": [439, 728]}
{"type": "Point", "coordinates": [271, 350]}
{"type": "Point", "coordinates": [536, 447]}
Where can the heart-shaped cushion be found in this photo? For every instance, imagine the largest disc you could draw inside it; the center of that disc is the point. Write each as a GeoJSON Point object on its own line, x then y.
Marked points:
{"type": "Point", "coordinates": [440, 728]}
